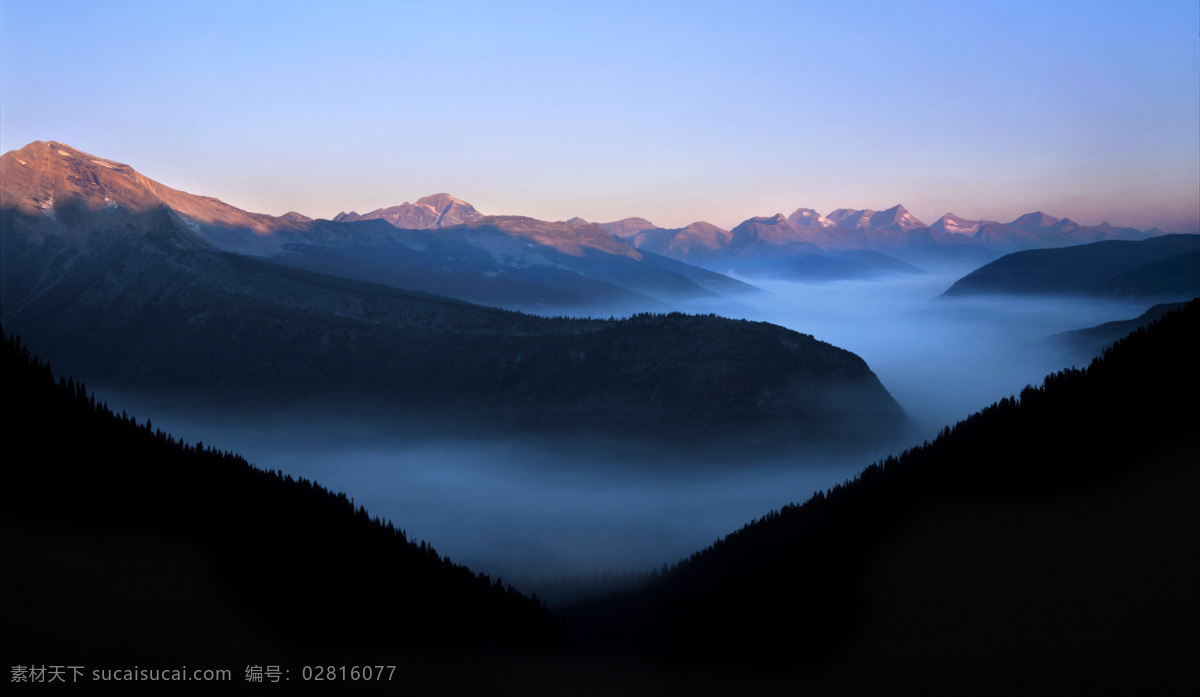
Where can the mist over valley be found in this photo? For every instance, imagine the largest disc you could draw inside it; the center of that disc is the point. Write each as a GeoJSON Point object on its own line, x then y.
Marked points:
{"type": "Point", "coordinates": [530, 446]}
{"type": "Point", "coordinates": [597, 349]}
{"type": "Point", "coordinates": [533, 509]}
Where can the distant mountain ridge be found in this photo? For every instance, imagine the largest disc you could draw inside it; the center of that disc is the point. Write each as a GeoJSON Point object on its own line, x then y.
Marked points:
{"type": "Point", "coordinates": [449, 248]}
{"type": "Point", "coordinates": [807, 244]}
{"type": "Point", "coordinates": [802, 245]}
{"type": "Point", "coordinates": [1085, 343]}
{"type": "Point", "coordinates": [436, 211]}
{"type": "Point", "coordinates": [896, 227]}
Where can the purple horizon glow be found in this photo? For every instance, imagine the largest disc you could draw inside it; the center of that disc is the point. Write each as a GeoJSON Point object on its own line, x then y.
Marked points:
{"type": "Point", "coordinates": [674, 112]}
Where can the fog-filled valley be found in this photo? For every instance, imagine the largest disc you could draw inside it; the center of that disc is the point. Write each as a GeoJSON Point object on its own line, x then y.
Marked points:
{"type": "Point", "coordinates": [509, 450]}
{"type": "Point", "coordinates": [598, 349]}
{"type": "Point", "coordinates": [630, 417]}
{"type": "Point", "coordinates": [544, 513]}
{"type": "Point", "coordinates": [941, 358]}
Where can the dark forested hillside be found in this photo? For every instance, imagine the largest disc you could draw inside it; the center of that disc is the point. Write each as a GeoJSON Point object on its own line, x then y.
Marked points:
{"type": "Point", "coordinates": [1083, 344]}
{"type": "Point", "coordinates": [145, 306]}
{"type": "Point", "coordinates": [1166, 267]}
{"type": "Point", "coordinates": [1047, 544]}
{"type": "Point", "coordinates": [124, 546]}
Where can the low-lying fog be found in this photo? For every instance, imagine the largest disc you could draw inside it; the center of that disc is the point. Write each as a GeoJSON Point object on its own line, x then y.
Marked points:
{"type": "Point", "coordinates": [527, 511]}
{"type": "Point", "coordinates": [941, 358]}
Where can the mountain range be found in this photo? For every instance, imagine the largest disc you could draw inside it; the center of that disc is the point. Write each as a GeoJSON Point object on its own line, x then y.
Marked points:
{"type": "Point", "coordinates": [852, 243]}
{"type": "Point", "coordinates": [134, 285]}
{"type": "Point", "coordinates": [509, 261]}
{"type": "Point", "coordinates": [443, 245]}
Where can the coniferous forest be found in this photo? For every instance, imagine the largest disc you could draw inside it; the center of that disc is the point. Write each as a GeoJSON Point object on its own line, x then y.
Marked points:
{"type": "Point", "coordinates": [1045, 544]}
{"type": "Point", "coordinates": [123, 546]}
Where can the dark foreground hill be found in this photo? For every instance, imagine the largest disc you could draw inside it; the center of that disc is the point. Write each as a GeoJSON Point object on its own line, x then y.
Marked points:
{"type": "Point", "coordinates": [1049, 544]}
{"type": "Point", "coordinates": [1045, 545]}
{"type": "Point", "coordinates": [1165, 267]}
{"type": "Point", "coordinates": [124, 547]}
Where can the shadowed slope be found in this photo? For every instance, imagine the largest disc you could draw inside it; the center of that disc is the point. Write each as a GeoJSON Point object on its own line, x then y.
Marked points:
{"type": "Point", "coordinates": [143, 302]}
{"type": "Point", "coordinates": [1160, 267]}
{"type": "Point", "coordinates": [140, 549]}
{"type": "Point", "coordinates": [1047, 543]}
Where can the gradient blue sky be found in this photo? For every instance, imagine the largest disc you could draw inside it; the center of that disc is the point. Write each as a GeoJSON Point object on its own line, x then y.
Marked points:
{"type": "Point", "coordinates": [673, 111]}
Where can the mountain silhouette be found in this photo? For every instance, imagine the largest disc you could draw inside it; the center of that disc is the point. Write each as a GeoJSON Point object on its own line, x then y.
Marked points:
{"type": "Point", "coordinates": [1166, 267]}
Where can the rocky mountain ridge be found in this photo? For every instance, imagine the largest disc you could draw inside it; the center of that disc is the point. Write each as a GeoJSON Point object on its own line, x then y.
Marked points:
{"type": "Point", "coordinates": [895, 227]}
{"type": "Point", "coordinates": [436, 211]}
{"type": "Point", "coordinates": [856, 243]}
{"type": "Point", "coordinates": [451, 249]}
{"type": "Point", "coordinates": [443, 245]}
